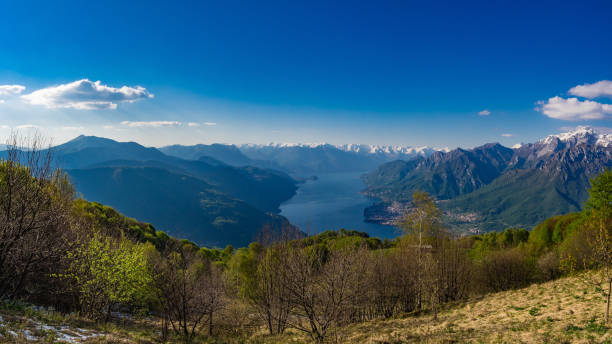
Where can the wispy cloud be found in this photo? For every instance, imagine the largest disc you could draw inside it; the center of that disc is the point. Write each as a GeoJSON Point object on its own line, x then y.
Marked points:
{"type": "Point", "coordinates": [506, 135]}
{"type": "Point", "coordinates": [72, 128]}
{"type": "Point", "coordinates": [27, 126]}
{"type": "Point", "coordinates": [573, 109]}
{"type": "Point", "coordinates": [10, 90]}
{"type": "Point", "coordinates": [139, 124]}
{"type": "Point", "coordinates": [85, 95]}
{"type": "Point", "coordinates": [197, 124]}
{"type": "Point", "coordinates": [601, 88]}
{"type": "Point", "coordinates": [484, 113]}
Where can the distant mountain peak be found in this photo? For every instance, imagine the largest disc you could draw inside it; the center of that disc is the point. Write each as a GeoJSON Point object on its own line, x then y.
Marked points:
{"type": "Point", "coordinates": [581, 135]}
{"type": "Point", "coordinates": [395, 150]}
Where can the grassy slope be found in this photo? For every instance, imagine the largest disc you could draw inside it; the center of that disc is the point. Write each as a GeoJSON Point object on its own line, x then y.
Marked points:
{"type": "Point", "coordinates": [562, 311]}
{"type": "Point", "coordinates": [522, 198]}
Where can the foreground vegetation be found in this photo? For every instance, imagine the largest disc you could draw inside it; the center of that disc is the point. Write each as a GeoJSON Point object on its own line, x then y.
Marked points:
{"type": "Point", "coordinates": [566, 310]}
{"type": "Point", "coordinates": [119, 276]}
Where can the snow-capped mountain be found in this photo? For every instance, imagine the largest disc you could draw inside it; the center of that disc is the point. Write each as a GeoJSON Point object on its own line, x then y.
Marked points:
{"type": "Point", "coordinates": [587, 137]}
{"type": "Point", "coordinates": [397, 151]}
{"type": "Point", "coordinates": [391, 150]}
{"type": "Point", "coordinates": [504, 187]}
{"type": "Point", "coordinates": [313, 158]}
{"type": "Point", "coordinates": [581, 135]}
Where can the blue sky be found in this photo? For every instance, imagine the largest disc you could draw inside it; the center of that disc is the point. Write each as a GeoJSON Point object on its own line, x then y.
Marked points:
{"type": "Point", "coordinates": [382, 72]}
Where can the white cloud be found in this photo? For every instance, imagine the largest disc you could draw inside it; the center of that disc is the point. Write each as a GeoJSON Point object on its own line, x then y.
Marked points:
{"type": "Point", "coordinates": [108, 127]}
{"type": "Point", "coordinates": [71, 128]}
{"type": "Point", "coordinates": [506, 135]}
{"type": "Point", "coordinates": [601, 88]}
{"type": "Point", "coordinates": [85, 95]}
{"type": "Point", "coordinates": [518, 145]}
{"type": "Point", "coordinates": [27, 126]}
{"type": "Point", "coordinates": [193, 124]}
{"type": "Point", "coordinates": [572, 109]}
{"type": "Point", "coordinates": [210, 124]}
{"type": "Point", "coordinates": [11, 90]}
{"type": "Point", "coordinates": [484, 113]}
{"type": "Point", "coordinates": [1, 101]}
{"type": "Point", "coordinates": [4, 127]}
{"type": "Point", "coordinates": [151, 124]}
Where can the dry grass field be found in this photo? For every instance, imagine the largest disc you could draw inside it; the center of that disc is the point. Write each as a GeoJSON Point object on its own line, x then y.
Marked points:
{"type": "Point", "coordinates": [562, 311]}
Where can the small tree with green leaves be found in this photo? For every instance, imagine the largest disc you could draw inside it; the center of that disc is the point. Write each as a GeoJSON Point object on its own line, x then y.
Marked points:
{"type": "Point", "coordinates": [109, 273]}
{"type": "Point", "coordinates": [423, 221]}
{"type": "Point", "coordinates": [421, 224]}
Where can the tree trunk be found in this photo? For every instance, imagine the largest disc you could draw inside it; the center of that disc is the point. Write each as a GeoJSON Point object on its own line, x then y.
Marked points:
{"type": "Point", "coordinates": [164, 330]}
{"type": "Point", "coordinates": [210, 324]}
{"type": "Point", "coordinates": [608, 301]}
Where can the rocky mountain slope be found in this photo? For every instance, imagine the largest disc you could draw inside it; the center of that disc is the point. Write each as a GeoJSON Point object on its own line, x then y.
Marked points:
{"type": "Point", "coordinates": [498, 186]}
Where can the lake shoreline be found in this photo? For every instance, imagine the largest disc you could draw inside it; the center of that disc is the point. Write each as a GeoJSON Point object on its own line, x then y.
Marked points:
{"type": "Point", "coordinates": [333, 201]}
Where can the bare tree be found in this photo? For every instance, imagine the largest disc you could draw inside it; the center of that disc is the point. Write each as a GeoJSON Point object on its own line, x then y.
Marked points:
{"type": "Point", "coordinates": [391, 279]}
{"type": "Point", "coordinates": [190, 289]}
{"type": "Point", "coordinates": [383, 289]}
{"type": "Point", "coordinates": [268, 295]}
{"type": "Point", "coordinates": [35, 207]}
{"type": "Point", "coordinates": [431, 278]}
{"type": "Point", "coordinates": [454, 268]}
{"type": "Point", "coordinates": [323, 286]}
{"type": "Point", "coordinates": [214, 294]}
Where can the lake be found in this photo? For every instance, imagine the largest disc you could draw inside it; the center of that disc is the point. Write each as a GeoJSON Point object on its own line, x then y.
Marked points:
{"type": "Point", "coordinates": [332, 201]}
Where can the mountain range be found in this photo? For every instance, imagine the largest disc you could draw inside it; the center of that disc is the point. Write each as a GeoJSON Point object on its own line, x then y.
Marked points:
{"type": "Point", "coordinates": [301, 159]}
{"type": "Point", "coordinates": [204, 200]}
{"type": "Point", "coordinates": [222, 194]}
{"type": "Point", "coordinates": [492, 187]}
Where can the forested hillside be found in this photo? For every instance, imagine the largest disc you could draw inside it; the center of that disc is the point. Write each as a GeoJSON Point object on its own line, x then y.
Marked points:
{"type": "Point", "coordinates": [203, 200]}
{"type": "Point", "coordinates": [184, 206]}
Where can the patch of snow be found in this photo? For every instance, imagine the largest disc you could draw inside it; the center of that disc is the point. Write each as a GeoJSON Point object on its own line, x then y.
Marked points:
{"type": "Point", "coordinates": [29, 335]}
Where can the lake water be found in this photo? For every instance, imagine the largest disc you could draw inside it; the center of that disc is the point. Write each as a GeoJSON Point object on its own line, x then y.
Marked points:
{"type": "Point", "coordinates": [332, 201]}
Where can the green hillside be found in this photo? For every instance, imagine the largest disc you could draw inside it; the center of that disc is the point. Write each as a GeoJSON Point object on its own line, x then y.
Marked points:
{"type": "Point", "coordinates": [184, 206]}
{"type": "Point", "coordinates": [521, 198]}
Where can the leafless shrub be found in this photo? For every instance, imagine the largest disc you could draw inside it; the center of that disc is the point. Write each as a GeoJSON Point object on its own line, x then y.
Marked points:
{"type": "Point", "coordinates": [323, 287]}
{"type": "Point", "coordinates": [269, 295]}
{"type": "Point", "coordinates": [190, 289]}
{"type": "Point", "coordinates": [506, 269]}
{"type": "Point", "coordinates": [549, 266]}
{"type": "Point", "coordinates": [35, 207]}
